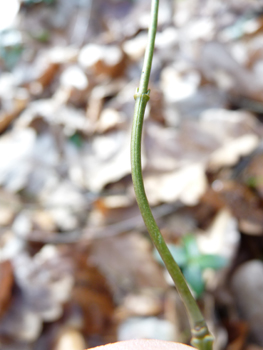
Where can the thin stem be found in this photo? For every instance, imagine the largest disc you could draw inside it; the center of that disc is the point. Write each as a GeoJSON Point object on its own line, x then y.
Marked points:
{"type": "Point", "coordinates": [201, 337]}
{"type": "Point", "coordinates": [148, 57]}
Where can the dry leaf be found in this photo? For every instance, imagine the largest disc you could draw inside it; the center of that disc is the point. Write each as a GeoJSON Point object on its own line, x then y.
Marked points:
{"type": "Point", "coordinates": [229, 154]}
{"type": "Point", "coordinates": [53, 113]}
{"type": "Point", "coordinates": [106, 60]}
{"type": "Point", "coordinates": [237, 335]}
{"type": "Point", "coordinates": [222, 237]}
{"type": "Point", "coordinates": [218, 65]}
{"type": "Point", "coordinates": [20, 323]}
{"type": "Point", "coordinates": [109, 119]}
{"type": "Point", "coordinates": [45, 280]}
{"type": "Point", "coordinates": [245, 206]}
{"type": "Point", "coordinates": [70, 339]}
{"type": "Point", "coordinates": [144, 304]}
{"type": "Point", "coordinates": [6, 282]}
{"type": "Point", "coordinates": [14, 170]}
{"type": "Point", "coordinates": [109, 161]}
{"type": "Point", "coordinates": [14, 106]}
{"type": "Point", "coordinates": [120, 259]}
{"type": "Point", "coordinates": [91, 293]}
{"type": "Point", "coordinates": [135, 47]}
{"type": "Point", "coordinates": [248, 296]}
{"type": "Point", "coordinates": [187, 184]}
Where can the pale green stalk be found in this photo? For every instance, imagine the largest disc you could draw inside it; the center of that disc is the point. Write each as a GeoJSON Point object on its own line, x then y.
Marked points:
{"type": "Point", "coordinates": [201, 338]}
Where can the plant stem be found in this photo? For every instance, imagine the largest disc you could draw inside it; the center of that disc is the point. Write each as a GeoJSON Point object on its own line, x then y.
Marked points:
{"type": "Point", "coordinates": [201, 337]}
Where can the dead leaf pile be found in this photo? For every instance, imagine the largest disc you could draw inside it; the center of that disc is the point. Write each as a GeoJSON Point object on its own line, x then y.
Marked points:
{"type": "Point", "coordinates": [77, 268]}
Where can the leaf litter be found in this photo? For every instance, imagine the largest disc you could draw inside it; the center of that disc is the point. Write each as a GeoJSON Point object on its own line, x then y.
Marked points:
{"type": "Point", "coordinates": [77, 268]}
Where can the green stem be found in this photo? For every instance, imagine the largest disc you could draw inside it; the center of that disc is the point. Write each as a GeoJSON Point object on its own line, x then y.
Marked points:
{"type": "Point", "coordinates": [201, 337]}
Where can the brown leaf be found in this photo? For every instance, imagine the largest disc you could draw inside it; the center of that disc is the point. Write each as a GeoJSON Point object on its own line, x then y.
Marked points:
{"type": "Point", "coordinates": [105, 60]}
{"type": "Point", "coordinates": [6, 283]}
{"type": "Point", "coordinates": [91, 293]}
{"type": "Point", "coordinates": [12, 100]}
{"type": "Point", "coordinates": [121, 259]}
{"type": "Point", "coordinates": [43, 71]}
{"type": "Point", "coordinates": [237, 332]}
{"type": "Point", "coordinates": [245, 206]}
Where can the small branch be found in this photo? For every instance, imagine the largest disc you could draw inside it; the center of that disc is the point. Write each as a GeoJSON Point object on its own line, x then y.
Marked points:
{"type": "Point", "coordinates": [201, 337]}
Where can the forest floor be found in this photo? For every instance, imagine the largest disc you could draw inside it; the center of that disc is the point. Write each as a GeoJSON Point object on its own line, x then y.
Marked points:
{"type": "Point", "coordinates": [77, 268]}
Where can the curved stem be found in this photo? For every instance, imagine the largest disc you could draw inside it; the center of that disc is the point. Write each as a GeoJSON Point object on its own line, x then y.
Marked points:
{"type": "Point", "coordinates": [201, 337]}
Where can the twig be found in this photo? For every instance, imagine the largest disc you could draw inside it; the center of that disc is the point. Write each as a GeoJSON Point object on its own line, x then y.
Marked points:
{"type": "Point", "coordinates": [90, 234]}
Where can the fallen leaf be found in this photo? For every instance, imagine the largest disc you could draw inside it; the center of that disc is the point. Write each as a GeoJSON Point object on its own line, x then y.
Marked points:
{"type": "Point", "coordinates": [187, 184]}
{"type": "Point", "coordinates": [74, 85]}
{"type": "Point", "coordinates": [14, 171]}
{"type": "Point", "coordinates": [221, 238]}
{"type": "Point", "coordinates": [20, 323]}
{"type": "Point", "coordinates": [45, 280]}
{"type": "Point", "coordinates": [218, 65]}
{"type": "Point", "coordinates": [12, 105]}
{"type": "Point", "coordinates": [135, 47]}
{"type": "Point", "coordinates": [248, 296]}
{"type": "Point", "coordinates": [91, 293]}
{"type": "Point", "coordinates": [229, 154]}
{"type": "Point", "coordinates": [245, 206]}
{"type": "Point", "coordinates": [120, 260]}
{"type": "Point", "coordinates": [238, 332]}
{"type": "Point", "coordinates": [70, 339]}
{"type": "Point", "coordinates": [6, 282]}
{"type": "Point", "coordinates": [109, 119]}
{"type": "Point", "coordinates": [142, 304]}
{"type": "Point", "coordinates": [54, 113]}
{"type": "Point", "coordinates": [109, 161]}
{"type": "Point", "coordinates": [102, 59]}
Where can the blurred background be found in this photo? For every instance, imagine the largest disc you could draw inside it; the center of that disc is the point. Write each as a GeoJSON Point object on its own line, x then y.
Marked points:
{"type": "Point", "coordinates": [77, 268]}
